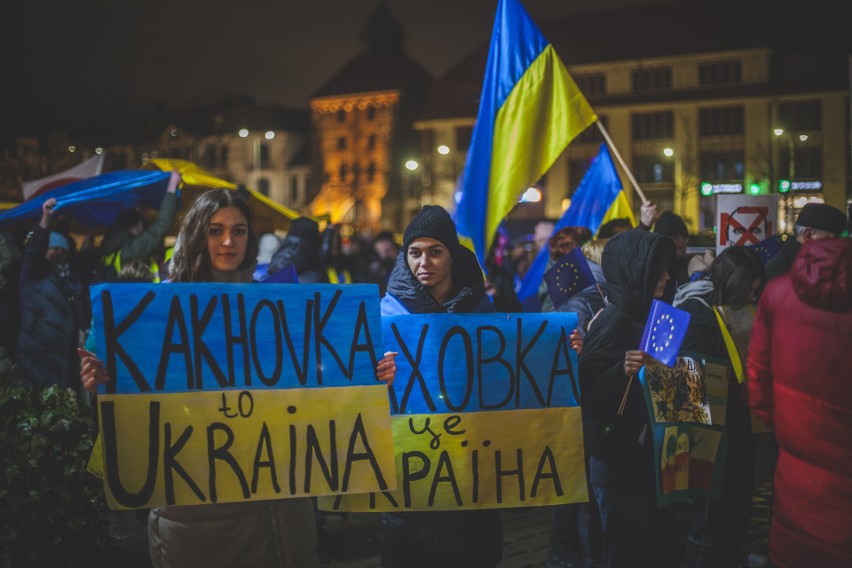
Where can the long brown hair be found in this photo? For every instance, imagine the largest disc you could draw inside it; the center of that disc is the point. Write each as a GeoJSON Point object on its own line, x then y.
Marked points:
{"type": "Point", "coordinates": [191, 262]}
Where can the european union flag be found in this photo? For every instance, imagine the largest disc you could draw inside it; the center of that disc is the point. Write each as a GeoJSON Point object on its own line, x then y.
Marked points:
{"type": "Point", "coordinates": [568, 276]}
{"type": "Point", "coordinates": [766, 249]}
{"type": "Point", "coordinates": [664, 332]}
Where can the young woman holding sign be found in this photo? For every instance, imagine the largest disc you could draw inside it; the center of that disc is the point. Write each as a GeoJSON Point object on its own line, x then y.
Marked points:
{"type": "Point", "coordinates": [435, 274]}
{"type": "Point", "coordinates": [218, 244]}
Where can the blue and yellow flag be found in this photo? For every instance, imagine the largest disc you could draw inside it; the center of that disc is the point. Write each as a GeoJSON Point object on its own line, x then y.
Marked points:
{"type": "Point", "coordinates": [530, 109]}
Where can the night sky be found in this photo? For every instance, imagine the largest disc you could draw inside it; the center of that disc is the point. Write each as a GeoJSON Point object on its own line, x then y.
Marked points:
{"type": "Point", "coordinates": [73, 59]}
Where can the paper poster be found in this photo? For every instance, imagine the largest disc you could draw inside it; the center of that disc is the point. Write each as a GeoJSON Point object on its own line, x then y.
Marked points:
{"type": "Point", "coordinates": [239, 392]}
{"type": "Point", "coordinates": [485, 414]}
{"type": "Point", "coordinates": [744, 219]}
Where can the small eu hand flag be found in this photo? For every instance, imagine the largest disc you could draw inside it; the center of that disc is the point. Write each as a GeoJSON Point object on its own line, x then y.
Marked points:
{"type": "Point", "coordinates": [766, 249]}
{"type": "Point", "coordinates": [664, 332]}
{"type": "Point", "coordinates": [286, 275]}
{"type": "Point", "coordinates": [568, 276]}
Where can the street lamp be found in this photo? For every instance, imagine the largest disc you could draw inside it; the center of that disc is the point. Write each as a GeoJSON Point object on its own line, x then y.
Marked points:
{"type": "Point", "coordinates": [411, 166]}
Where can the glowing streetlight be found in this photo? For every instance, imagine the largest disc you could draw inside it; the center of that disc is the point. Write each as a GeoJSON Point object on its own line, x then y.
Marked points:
{"type": "Point", "coordinates": [72, 149]}
{"type": "Point", "coordinates": [668, 152]}
{"type": "Point", "coordinates": [243, 133]}
{"type": "Point", "coordinates": [443, 149]}
{"type": "Point", "coordinates": [803, 137]}
{"type": "Point", "coordinates": [531, 195]}
{"type": "Point", "coordinates": [778, 131]}
{"type": "Point", "coordinates": [411, 165]}
{"type": "Point", "coordinates": [99, 151]}
{"type": "Point", "coordinates": [269, 135]}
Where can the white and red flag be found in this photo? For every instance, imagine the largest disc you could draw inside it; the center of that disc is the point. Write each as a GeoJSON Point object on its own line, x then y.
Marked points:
{"type": "Point", "coordinates": [90, 168]}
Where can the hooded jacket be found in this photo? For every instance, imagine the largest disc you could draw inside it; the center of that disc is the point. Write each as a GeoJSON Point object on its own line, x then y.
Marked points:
{"type": "Point", "coordinates": [633, 263]}
{"type": "Point", "coordinates": [304, 255]}
{"type": "Point", "coordinates": [799, 380]}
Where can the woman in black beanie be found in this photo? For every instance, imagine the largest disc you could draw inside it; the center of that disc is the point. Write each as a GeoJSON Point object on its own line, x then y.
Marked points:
{"type": "Point", "coordinates": [435, 274]}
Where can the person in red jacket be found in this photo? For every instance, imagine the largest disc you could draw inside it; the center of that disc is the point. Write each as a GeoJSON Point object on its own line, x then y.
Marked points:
{"type": "Point", "coordinates": [799, 382]}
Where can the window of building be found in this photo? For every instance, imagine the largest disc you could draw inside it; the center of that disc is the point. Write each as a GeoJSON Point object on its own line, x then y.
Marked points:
{"type": "Point", "coordinates": [800, 116]}
{"type": "Point", "coordinates": [591, 84]}
{"type": "Point", "coordinates": [342, 172]}
{"type": "Point", "coordinates": [721, 166]}
{"type": "Point", "coordinates": [263, 186]}
{"type": "Point", "coordinates": [653, 78]}
{"type": "Point", "coordinates": [341, 143]}
{"type": "Point", "coordinates": [371, 142]}
{"type": "Point", "coordinates": [295, 194]}
{"type": "Point", "coordinates": [653, 169]}
{"type": "Point", "coordinates": [371, 113]}
{"type": "Point", "coordinates": [262, 157]}
{"type": "Point", "coordinates": [653, 125]}
{"type": "Point", "coordinates": [720, 121]}
{"type": "Point", "coordinates": [223, 156]}
{"type": "Point", "coordinates": [807, 161]}
{"type": "Point", "coordinates": [576, 170]}
{"type": "Point", "coordinates": [720, 72]}
{"type": "Point", "coordinates": [371, 171]}
{"type": "Point", "coordinates": [463, 135]}
{"type": "Point", "coordinates": [208, 157]}
{"type": "Point", "coordinates": [341, 115]}
{"type": "Point", "coordinates": [592, 134]}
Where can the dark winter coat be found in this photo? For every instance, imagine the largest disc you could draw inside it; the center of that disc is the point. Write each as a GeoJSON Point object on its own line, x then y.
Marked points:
{"type": "Point", "coordinates": [51, 320]}
{"type": "Point", "coordinates": [587, 302]}
{"type": "Point", "coordinates": [303, 256]}
{"type": "Point", "coordinates": [633, 263]}
{"type": "Point", "coordinates": [799, 380]}
{"type": "Point", "coordinates": [780, 264]}
{"type": "Point", "coordinates": [441, 538]}
{"type": "Point", "coordinates": [142, 246]}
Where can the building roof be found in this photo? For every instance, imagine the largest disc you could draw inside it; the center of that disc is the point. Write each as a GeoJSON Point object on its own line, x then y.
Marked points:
{"type": "Point", "coordinates": [815, 41]}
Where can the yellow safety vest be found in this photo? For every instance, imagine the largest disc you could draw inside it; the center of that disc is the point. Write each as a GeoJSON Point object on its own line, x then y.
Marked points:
{"type": "Point", "coordinates": [113, 260]}
{"type": "Point", "coordinates": [334, 276]}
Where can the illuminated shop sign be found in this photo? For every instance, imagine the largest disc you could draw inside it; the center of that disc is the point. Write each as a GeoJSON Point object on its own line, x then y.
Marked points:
{"type": "Point", "coordinates": [708, 188]}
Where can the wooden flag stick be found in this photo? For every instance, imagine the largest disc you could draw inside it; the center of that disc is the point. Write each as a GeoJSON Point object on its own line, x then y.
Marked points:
{"type": "Point", "coordinates": [618, 157]}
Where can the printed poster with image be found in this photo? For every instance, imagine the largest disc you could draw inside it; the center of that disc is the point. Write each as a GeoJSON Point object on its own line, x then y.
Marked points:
{"type": "Point", "coordinates": [689, 440]}
{"type": "Point", "coordinates": [745, 219]}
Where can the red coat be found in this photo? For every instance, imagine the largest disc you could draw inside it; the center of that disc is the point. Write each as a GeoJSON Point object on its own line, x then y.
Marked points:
{"type": "Point", "coordinates": [800, 379]}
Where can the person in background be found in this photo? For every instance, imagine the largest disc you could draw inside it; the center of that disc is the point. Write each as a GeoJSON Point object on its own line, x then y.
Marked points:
{"type": "Point", "coordinates": [267, 246]}
{"type": "Point", "coordinates": [613, 227]}
{"type": "Point", "coordinates": [815, 221]}
{"type": "Point", "coordinates": [798, 382]}
{"type": "Point", "coordinates": [717, 527]}
{"type": "Point", "coordinates": [51, 310]}
{"type": "Point", "coordinates": [615, 420]}
{"type": "Point", "coordinates": [435, 274]}
{"type": "Point", "coordinates": [500, 287]}
{"type": "Point", "coordinates": [129, 237]}
{"type": "Point", "coordinates": [337, 269]}
{"type": "Point", "coordinates": [301, 248]}
{"type": "Point", "coordinates": [385, 251]}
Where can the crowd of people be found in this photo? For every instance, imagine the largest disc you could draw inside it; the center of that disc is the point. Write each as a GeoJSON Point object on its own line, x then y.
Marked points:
{"type": "Point", "coordinates": [795, 369]}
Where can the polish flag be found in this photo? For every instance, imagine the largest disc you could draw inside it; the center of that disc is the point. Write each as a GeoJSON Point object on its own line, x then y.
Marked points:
{"type": "Point", "coordinates": [90, 168]}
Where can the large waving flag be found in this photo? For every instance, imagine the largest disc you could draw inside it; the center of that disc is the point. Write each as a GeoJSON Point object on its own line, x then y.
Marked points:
{"type": "Point", "coordinates": [529, 110]}
{"type": "Point", "coordinates": [598, 194]}
{"type": "Point", "coordinates": [94, 202]}
{"type": "Point", "coordinates": [89, 168]}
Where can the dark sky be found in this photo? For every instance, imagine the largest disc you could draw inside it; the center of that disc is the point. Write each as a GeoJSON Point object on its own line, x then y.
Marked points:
{"type": "Point", "coordinates": [108, 57]}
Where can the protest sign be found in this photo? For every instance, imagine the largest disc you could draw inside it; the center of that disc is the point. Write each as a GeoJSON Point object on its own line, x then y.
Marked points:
{"type": "Point", "coordinates": [744, 219]}
{"type": "Point", "coordinates": [232, 392]}
{"type": "Point", "coordinates": [688, 445]}
{"type": "Point", "coordinates": [485, 414]}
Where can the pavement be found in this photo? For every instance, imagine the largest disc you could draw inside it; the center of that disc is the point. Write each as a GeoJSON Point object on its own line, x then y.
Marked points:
{"type": "Point", "coordinates": [353, 541]}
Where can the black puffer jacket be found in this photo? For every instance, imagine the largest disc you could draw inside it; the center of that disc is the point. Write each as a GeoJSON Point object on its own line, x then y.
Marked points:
{"type": "Point", "coordinates": [51, 319]}
{"type": "Point", "coordinates": [633, 263]}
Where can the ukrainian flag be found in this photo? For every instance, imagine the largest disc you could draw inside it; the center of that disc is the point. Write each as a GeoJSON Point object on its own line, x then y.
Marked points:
{"type": "Point", "coordinates": [529, 110]}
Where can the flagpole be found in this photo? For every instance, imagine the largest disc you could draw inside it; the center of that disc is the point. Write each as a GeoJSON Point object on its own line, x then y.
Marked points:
{"type": "Point", "coordinates": [621, 160]}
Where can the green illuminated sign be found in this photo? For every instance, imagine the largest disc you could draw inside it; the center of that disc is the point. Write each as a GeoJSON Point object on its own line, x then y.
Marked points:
{"type": "Point", "coordinates": [783, 185]}
{"type": "Point", "coordinates": [754, 188]}
{"type": "Point", "coordinates": [706, 189]}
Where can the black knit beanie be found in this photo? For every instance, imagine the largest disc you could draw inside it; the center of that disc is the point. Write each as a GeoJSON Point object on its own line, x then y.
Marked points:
{"type": "Point", "coordinates": [822, 217]}
{"type": "Point", "coordinates": [305, 229]}
{"type": "Point", "coordinates": [670, 225]}
{"type": "Point", "coordinates": [432, 222]}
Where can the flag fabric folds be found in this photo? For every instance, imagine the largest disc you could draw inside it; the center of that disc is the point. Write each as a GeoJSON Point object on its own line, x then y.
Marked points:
{"type": "Point", "coordinates": [597, 191]}
{"type": "Point", "coordinates": [530, 109]}
{"type": "Point", "coordinates": [620, 209]}
{"type": "Point", "coordinates": [600, 191]}
{"type": "Point", "coordinates": [568, 277]}
{"type": "Point", "coordinates": [95, 202]}
{"type": "Point", "coordinates": [89, 168]}
{"type": "Point", "coordinates": [664, 332]}
{"type": "Point", "coordinates": [766, 249]}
